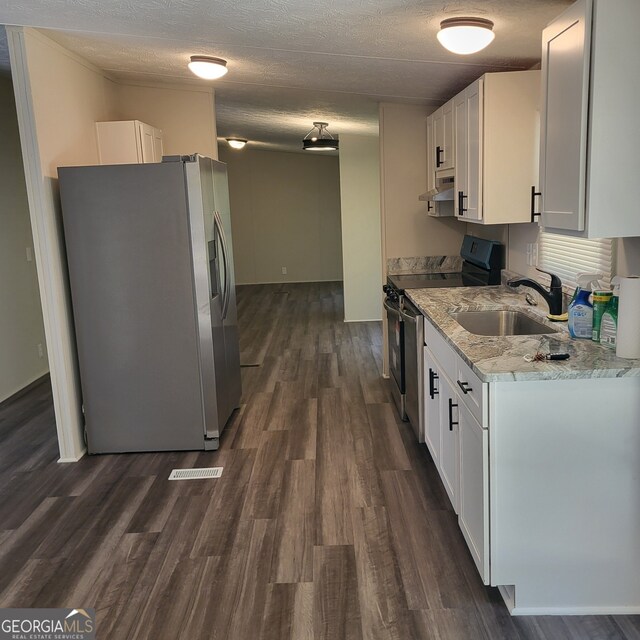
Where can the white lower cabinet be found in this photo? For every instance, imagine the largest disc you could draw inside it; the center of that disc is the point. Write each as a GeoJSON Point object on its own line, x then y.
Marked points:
{"type": "Point", "coordinates": [541, 474]}
{"type": "Point", "coordinates": [431, 405]}
{"type": "Point", "coordinates": [474, 488]}
{"type": "Point", "coordinates": [459, 446]}
{"type": "Point", "coordinates": [449, 466]}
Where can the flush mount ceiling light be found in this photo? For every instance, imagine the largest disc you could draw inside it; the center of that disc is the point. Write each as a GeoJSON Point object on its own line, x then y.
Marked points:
{"type": "Point", "coordinates": [466, 35]}
{"type": "Point", "coordinates": [322, 141]}
{"type": "Point", "coordinates": [208, 68]}
{"type": "Point", "coordinates": [236, 143]}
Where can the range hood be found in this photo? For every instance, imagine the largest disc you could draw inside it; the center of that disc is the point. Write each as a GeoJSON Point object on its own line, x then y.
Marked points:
{"type": "Point", "coordinates": [436, 195]}
{"type": "Point", "coordinates": [443, 192]}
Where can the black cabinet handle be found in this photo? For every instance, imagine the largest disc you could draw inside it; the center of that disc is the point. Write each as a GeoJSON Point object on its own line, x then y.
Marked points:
{"type": "Point", "coordinates": [461, 198]}
{"type": "Point", "coordinates": [464, 386]}
{"type": "Point", "coordinates": [429, 206]}
{"type": "Point", "coordinates": [451, 422]}
{"type": "Point", "coordinates": [433, 376]}
{"type": "Point", "coordinates": [439, 150]}
{"type": "Point", "coordinates": [534, 213]}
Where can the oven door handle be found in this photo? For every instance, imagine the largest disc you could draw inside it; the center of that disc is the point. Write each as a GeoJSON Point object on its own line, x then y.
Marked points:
{"type": "Point", "coordinates": [393, 310]}
{"type": "Point", "coordinates": [407, 318]}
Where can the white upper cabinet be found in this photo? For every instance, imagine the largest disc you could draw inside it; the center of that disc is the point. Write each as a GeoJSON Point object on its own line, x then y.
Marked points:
{"type": "Point", "coordinates": [563, 134]}
{"type": "Point", "coordinates": [468, 126]}
{"type": "Point", "coordinates": [431, 164]}
{"type": "Point", "coordinates": [128, 142]}
{"type": "Point", "coordinates": [589, 138]}
{"type": "Point", "coordinates": [431, 151]}
{"type": "Point", "coordinates": [443, 133]}
{"type": "Point", "coordinates": [496, 140]}
{"type": "Point", "coordinates": [440, 142]}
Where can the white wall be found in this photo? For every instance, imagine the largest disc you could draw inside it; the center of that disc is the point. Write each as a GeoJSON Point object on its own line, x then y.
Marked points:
{"type": "Point", "coordinates": [21, 328]}
{"type": "Point", "coordinates": [628, 257]}
{"type": "Point", "coordinates": [517, 236]}
{"type": "Point", "coordinates": [186, 115]}
{"type": "Point", "coordinates": [285, 212]}
{"type": "Point", "coordinates": [361, 233]}
{"type": "Point", "coordinates": [59, 98]}
{"type": "Point", "coordinates": [408, 231]}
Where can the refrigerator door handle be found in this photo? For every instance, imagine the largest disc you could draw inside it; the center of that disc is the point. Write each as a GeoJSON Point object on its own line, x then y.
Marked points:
{"type": "Point", "coordinates": [226, 289]}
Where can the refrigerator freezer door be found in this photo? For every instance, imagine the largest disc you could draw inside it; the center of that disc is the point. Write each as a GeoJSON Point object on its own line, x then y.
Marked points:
{"type": "Point", "coordinates": [129, 256]}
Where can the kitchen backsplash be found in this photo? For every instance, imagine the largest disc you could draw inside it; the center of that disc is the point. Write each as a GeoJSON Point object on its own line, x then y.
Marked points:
{"type": "Point", "coordinates": [424, 264]}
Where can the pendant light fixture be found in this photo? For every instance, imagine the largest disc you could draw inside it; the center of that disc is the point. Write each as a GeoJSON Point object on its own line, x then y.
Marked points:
{"type": "Point", "coordinates": [466, 35]}
{"type": "Point", "coordinates": [208, 68]}
{"type": "Point", "coordinates": [236, 143]}
{"type": "Point", "coordinates": [321, 141]}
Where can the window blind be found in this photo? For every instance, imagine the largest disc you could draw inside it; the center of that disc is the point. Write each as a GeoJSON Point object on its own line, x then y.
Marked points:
{"type": "Point", "coordinates": [567, 257]}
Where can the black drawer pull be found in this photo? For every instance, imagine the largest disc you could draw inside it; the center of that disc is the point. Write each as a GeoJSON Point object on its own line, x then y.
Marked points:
{"type": "Point", "coordinates": [429, 206]}
{"type": "Point", "coordinates": [439, 150]}
{"type": "Point", "coordinates": [451, 422]}
{"type": "Point", "coordinates": [461, 198]}
{"type": "Point", "coordinates": [534, 213]}
{"type": "Point", "coordinates": [465, 387]}
{"type": "Point", "coordinates": [433, 376]}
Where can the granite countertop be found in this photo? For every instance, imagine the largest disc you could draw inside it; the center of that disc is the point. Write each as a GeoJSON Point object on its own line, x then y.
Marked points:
{"type": "Point", "coordinates": [500, 358]}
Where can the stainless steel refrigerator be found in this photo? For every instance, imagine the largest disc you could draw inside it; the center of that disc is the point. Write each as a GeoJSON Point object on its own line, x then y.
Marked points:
{"type": "Point", "coordinates": [153, 293]}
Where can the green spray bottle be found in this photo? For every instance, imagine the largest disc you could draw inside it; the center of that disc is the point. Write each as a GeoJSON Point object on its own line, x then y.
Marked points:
{"type": "Point", "coordinates": [601, 299]}
{"type": "Point", "coordinates": [609, 321]}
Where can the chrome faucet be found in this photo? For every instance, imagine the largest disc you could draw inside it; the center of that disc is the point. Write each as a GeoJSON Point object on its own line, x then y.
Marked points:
{"type": "Point", "coordinates": [553, 296]}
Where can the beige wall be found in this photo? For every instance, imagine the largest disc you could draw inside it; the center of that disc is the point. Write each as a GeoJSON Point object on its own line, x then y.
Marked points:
{"type": "Point", "coordinates": [285, 212]}
{"type": "Point", "coordinates": [185, 114]}
{"type": "Point", "coordinates": [408, 231]}
{"type": "Point", "coordinates": [70, 96]}
{"type": "Point", "coordinates": [21, 328]}
{"type": "Point", "coordinates": [361, 234]}
{"type": "Point", "coordinates": [628, 257]}
{"type": "Point", "coordinates": [517, 236]}
{"type": "Point", "coordinates": [60, 98]}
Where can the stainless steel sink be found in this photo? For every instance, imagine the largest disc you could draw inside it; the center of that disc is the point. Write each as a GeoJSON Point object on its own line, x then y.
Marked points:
{"type": "Point", "coordinates": [500, 323]}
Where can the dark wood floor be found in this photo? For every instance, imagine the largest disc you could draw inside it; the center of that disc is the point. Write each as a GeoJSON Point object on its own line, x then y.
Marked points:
{"type": "Point", "coordinates": [329, 521]}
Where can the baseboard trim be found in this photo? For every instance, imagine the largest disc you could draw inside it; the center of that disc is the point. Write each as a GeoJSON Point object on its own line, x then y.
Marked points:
{"type": "Point", "coordinates": [249, 284]}
{"type": "Point", "coordinates": [75, 459]}
{"type": "Point", "coordinates": [575, 611]}
{"type": "Point", "coordinates": [509, 597]}
{"type": "Point", "coordinates": [365, 320]}
{"type": "Point", "coordinates": [21, 392]}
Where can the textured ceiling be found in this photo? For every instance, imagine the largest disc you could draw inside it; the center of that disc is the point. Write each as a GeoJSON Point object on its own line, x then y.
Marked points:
{"type": "Point", "coordinates": [292, 61]}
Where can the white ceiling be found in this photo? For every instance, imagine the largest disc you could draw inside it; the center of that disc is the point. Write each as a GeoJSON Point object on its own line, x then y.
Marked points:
{"type": "Point", "coordinates": [290, 61]}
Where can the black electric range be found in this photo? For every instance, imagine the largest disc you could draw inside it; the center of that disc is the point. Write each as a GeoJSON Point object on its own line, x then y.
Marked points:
{"type": "Point", "coordinates": [482, 261]}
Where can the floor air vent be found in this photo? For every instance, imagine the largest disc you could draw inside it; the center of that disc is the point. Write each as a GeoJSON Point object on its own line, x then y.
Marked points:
{"type": "Point", "coordinates": [196, 474]}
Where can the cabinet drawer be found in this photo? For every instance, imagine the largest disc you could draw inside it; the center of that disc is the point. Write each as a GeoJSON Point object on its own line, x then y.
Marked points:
{"type": "Point", "coordinates": [443, 352]}
{"type": "Point", "coordinates": [472, 391]}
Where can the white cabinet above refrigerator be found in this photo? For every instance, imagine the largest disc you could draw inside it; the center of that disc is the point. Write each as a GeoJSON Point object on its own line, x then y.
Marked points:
{"type": "Point", "coordinates": [128, 142]}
